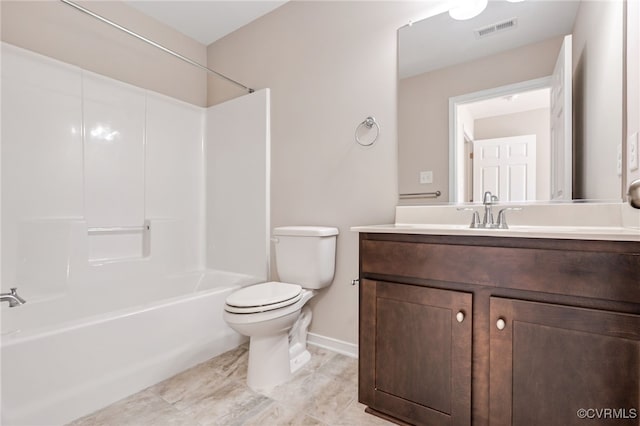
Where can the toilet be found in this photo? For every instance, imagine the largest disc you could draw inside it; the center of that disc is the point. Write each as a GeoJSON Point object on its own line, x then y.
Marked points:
{"type": "Point", "coordinates": [273, 315]}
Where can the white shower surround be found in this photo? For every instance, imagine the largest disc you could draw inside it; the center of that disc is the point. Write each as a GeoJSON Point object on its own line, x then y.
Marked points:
{"type": "Point", "coordinates": [108, 315]}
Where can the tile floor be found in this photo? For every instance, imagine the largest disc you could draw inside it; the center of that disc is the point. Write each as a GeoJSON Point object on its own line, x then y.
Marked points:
{"type": "Point", "coordinates": [324, 392]}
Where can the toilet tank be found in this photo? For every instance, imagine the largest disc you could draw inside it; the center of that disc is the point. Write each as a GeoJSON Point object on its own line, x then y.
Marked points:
{"type": "Point", "coordinates": [306, 255]}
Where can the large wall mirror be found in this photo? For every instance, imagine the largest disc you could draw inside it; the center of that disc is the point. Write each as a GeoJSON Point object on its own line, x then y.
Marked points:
{"type": "Point", "coordinates": [524, 100]}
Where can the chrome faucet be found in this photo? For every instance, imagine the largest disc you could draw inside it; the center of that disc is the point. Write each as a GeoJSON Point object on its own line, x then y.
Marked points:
{"type": "Point", "coordinates": [487, 221]}
{"type": "Point", "coordinates": [13, 298]}
{"type": "Point", "coordinates": [488, 200]}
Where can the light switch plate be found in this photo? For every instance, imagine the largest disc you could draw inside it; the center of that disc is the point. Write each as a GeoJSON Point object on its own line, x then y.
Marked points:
{"type": "Point", "coordinates": [619, 160]}
{"type": "Point", "coordinates": [426, 177]}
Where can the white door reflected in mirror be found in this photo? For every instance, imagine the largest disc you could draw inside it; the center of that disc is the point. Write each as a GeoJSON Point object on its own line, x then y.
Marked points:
{"type": "Point", "coordinates": [505, 167]}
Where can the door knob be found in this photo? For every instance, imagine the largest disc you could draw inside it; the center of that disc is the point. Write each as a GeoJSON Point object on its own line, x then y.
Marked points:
{"type": "Point", "coordinates": [501, 324]}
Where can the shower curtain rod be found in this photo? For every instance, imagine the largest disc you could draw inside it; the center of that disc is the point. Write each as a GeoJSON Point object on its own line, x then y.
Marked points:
{"type": "Point", "coordinates": [153, 43]}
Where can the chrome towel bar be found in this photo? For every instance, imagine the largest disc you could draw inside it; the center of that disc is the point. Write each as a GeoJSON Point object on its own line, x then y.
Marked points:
{"type": "Point", "coordinates": [434, 194]}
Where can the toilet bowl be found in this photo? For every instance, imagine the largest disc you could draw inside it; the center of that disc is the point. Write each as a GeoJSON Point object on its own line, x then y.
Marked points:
{"type": "Point", "coordinates": [273, 315]}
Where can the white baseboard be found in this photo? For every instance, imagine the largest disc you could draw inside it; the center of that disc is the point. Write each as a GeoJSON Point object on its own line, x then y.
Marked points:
{"type": "Point", "coordinates": [335, 345]}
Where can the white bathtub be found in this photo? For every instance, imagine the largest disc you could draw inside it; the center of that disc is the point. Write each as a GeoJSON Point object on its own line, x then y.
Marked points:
{"type": "Point", "coordinates": [66, 357]}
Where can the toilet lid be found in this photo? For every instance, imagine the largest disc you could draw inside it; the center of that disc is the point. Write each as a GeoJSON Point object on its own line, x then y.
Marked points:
{"type": "Point", "coordinates": [263, 297]}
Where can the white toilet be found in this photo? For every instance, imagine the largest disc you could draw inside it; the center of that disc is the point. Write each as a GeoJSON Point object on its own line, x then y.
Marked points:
{"type": "Point", "coordinates": [273, 314]}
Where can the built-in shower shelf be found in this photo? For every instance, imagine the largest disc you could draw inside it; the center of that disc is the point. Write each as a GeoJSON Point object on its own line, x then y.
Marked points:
{"type": "Point", "coordinates": [118, 230]}
{"type": "Point", "coordinates": [119, 242]}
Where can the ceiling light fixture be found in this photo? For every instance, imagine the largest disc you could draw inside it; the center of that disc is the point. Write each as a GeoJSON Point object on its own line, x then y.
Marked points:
{"type": "Point", "coordinates": [466, 9]}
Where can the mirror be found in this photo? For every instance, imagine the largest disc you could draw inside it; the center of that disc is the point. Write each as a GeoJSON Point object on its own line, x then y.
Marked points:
{"type": "Point", "coordinates": [475, 97]}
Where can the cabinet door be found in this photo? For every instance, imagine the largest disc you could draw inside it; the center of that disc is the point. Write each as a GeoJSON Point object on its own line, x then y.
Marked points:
{"type": "Point", "coordinates": [415, 352]}
{"type": "Point", "coordinates": [559, 365]}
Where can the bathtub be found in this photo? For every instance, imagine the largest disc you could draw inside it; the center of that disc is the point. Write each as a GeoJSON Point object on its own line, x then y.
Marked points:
{"type": "Point", "coordinates": [65, 357]}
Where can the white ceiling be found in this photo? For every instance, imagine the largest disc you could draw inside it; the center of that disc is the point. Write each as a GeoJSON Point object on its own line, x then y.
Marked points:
{"type": "Point", "coordinates": [440, 41]}
{"type": "Point", "coordinates": [205, 20]}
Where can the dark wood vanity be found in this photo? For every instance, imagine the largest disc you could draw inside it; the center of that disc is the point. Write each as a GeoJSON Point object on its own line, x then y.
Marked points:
{"type": "Point", "coordinates": [459, 330]}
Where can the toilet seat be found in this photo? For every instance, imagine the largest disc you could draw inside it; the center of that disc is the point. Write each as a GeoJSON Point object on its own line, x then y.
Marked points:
{"type": "Point", "coordinates": [263, 297]}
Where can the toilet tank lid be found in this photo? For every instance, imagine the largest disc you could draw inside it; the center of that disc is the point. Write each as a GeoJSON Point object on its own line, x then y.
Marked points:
{"type": "Point", "coordinates": [305, 231]}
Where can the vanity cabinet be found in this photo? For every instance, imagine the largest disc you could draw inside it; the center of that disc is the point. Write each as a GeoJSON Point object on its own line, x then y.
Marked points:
{"type": "Point", "coordinates": [462, 330]}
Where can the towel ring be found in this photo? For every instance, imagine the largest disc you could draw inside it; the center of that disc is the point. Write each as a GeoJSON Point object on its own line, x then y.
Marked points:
{"type": "Point", "coordinates": [369, 122]}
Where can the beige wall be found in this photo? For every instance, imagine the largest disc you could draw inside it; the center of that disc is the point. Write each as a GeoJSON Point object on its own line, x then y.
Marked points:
{"type": "Point", "coordinates": [329, 65]}
{"type": "Point", "coordinates": [535, 122]}
{"type": "Point", "coordinates": [597, 102]}
{"type": "Point", "coordinates": [423, 108]}
{"type": "Point", "coordinates": [61, 32]}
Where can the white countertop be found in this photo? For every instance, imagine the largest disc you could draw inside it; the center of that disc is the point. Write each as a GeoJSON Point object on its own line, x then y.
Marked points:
{"type": "Point", "coordinates": [575, 221]}
{"type": "Point", "coordinates": [552, 232]}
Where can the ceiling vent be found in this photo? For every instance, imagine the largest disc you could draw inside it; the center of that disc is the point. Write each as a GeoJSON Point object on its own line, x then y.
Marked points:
{"type": "Point", "coordinates": [496, 28]}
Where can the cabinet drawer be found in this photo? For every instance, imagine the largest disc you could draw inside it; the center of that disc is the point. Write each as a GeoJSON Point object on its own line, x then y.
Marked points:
{"type": "Point", "coordinates": [596, 274]}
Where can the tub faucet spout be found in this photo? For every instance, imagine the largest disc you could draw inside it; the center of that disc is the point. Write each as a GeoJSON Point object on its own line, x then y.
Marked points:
{"type": "Point", "coordinates": [13, 298]}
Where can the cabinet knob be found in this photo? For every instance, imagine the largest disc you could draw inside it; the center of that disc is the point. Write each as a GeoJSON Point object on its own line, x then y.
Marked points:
{"type": "Point", "coordinates": [501, 324]}
{"type": "Point", "coordinates": [460, 316]}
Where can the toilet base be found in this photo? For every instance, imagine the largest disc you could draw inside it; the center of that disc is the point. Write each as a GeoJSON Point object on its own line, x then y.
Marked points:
{"type": "Point", "coordinates": [277, 343]}
{"type": "Point", "coordinates": [268, 361]}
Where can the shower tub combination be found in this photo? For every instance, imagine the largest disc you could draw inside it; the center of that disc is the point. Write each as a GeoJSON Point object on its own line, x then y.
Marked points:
{"type": "Point", "coordinates": [99, 230]}
{"type": "Point", "coordinates": [82, 361]}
